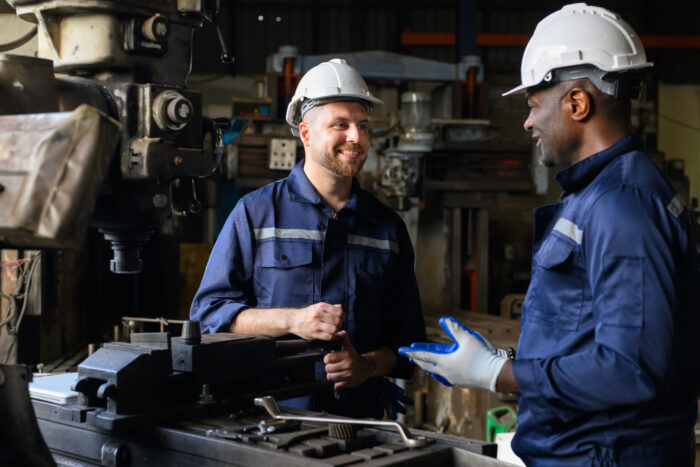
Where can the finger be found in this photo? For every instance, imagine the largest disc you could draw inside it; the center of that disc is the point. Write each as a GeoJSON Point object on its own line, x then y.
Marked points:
{"type": "Point", "coordinates": [329, 318]}
{"type": "Point", "coordinates": [424, 357]}
{"type": "Point", "coordinates": [440, 379]}
{"type": "Point", "coordinates": [336, 357]}
{"type": "Point", "coordinates": [452, 327]}
{"type": "Point", "coordinates": [431, 370]}
{"type": "Point", "coordinates": [341, 385]}
{"type": "Point", "coordinates": [428, 367]}
{"type": "Point", "coordinates": [322, 335]}
{"type": "Point", "coordinates": [345, 339]}
{"type": "Point", "coordinates": [332, 310]}
{"type": "Point", "coordinates": [336, 313]}
{"type": "Point", "coordinates": [458, 331]}
{"type": "Point", "coordinates": [427, 347]}
{"type": "Point", "coordinates": [435, 348]}
{"type": "Point", "coordinates": [338, 376]}
{"type": "Point", "coordinates": [341, 366]}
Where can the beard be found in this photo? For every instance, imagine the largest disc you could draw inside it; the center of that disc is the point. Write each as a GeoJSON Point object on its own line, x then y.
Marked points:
{"type": "Point", "coordinates": [339, 166]}
{"type": "Point", "coordinates": [547, 160]}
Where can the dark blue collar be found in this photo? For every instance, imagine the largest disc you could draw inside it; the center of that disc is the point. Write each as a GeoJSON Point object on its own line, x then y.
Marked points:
{"type": "Point", "coordinates": [583, 172]}
{"type": "Point", "coordinates": [301, 190]}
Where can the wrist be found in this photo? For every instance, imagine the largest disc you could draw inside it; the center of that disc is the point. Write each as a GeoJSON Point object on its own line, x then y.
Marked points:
{"type": "Point", "coordinates": [370, 364]}
{"type": "Point", "coordinates": [289, 321]}
{"type": "Point", "coordinates": [496, 368]}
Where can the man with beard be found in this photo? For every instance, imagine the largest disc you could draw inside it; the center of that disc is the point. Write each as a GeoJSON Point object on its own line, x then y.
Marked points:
{"type": "Point", "coordinates": [315, 256]}
{"type": "Point", "coordinates": [606, 369]}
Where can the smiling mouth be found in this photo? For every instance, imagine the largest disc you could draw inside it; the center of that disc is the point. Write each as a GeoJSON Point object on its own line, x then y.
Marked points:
{"type": "Point", "coordinates": [350, 153]}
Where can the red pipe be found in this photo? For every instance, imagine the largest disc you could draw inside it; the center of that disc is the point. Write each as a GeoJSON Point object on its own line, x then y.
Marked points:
{"type": "Point", "coordinates": [487, 39]}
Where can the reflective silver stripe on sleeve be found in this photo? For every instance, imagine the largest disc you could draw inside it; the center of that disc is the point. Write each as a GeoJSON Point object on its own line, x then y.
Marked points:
{"type": "Point", "coordinates": [676, 207]}
{"type": "Point", "coordinates": [568, 228]}
{"type": "Point", "coordinates": [373, 242]}
{"type": "Point", "coordinates": [272, 232]}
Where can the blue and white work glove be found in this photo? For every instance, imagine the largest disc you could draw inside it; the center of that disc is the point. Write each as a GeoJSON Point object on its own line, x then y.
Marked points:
{"type": "Point", "coordinates": [471, 362]}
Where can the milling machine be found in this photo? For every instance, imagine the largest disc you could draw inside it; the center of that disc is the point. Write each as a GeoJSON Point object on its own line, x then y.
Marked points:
{"type": "Point", "coordinates": [98, 127]}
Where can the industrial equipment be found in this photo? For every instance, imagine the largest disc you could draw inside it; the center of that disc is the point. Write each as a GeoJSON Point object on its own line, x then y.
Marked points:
{"type": "Point", "coordinates": [210, 400]}
{"type": "Point", "coordinates": [100, 124]}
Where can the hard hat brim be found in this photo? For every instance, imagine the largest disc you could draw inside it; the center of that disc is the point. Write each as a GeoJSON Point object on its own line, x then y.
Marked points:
{"type": "Point", "coordinates": [522, 89]}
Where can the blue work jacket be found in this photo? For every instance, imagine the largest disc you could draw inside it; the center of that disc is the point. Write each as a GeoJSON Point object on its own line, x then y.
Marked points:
{"type": "Point", "coordinates": [607, 362]}
{"type": "Point", "coordinates": [282, 247]}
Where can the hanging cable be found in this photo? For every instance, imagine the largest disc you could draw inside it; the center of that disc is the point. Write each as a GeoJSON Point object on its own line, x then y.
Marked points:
{"type": "Point", "coordinates": [11, 318]}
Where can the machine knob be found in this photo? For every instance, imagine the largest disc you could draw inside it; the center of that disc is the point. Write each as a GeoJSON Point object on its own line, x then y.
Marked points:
{"type": "Point", "coordinates": [156, 28]}
{"type": "Point", "coordinates": [191, 332]}
{"type": "Point", "coordinates": [172, 110]}
{"type": "Point", "coordinates": [115, 454]}
{"type": "Point", "coordinates": [179, 110]}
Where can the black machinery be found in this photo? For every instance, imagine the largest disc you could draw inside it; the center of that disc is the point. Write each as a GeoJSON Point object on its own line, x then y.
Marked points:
{"type": "Point", "coordinates": [210, 400]}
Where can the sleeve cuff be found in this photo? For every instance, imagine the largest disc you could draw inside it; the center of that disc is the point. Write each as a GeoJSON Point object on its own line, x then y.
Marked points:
{"type": "Point", "coordinates": [220, 320]}
{"type": "Point", "coordinates": [526, 376]}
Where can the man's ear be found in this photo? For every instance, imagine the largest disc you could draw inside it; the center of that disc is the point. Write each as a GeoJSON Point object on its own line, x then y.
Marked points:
{"type": "Point", "coordinates": [579, 104]}
{"type": "Point", "coordinates": [305, 133]}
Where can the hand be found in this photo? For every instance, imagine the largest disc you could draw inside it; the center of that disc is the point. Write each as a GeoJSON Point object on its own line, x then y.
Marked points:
{"type": "Point", "coordinates": [346, 367]}
{"type": "Point", "coordinates": [471, 362]}
{"type": "Point", "coordinates": [318, 321]}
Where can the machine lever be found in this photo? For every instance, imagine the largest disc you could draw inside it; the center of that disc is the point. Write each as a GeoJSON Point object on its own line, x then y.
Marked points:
{"type": "Point", "coordinates": [269, 404]}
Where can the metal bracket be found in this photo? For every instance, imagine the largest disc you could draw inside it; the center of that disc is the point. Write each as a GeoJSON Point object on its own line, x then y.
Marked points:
{"type": "Point", "coordinates": [269, 404]}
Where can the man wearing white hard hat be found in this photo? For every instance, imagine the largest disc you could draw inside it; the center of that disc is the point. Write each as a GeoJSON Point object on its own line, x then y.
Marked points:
{"type": "Point", "coordinates": [315, 256]}
{"type": "Point", "coordinates": [607, 367]}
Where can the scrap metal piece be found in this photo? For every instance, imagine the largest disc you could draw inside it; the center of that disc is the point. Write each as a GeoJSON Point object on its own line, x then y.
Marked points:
{"type": "Point", "coordinates": [269, 404]}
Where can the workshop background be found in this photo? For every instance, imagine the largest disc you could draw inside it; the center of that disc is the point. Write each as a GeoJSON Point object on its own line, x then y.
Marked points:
{"type": "Point", "coordinates": [448, 152]}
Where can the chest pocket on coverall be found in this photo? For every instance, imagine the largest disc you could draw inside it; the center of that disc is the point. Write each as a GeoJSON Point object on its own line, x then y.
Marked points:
{"type": "Point", "coordinates": [558, 287]}
{"type": "Point", "coordinates": [284, 275]}
{"type": "Point", "coordinates": [371, 268]}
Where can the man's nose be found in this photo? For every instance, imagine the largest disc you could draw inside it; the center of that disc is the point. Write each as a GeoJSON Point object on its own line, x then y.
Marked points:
{"type": "Point", "coordinates": [353, 134]}
{"type": "Point", "coordinates": [528, 123]}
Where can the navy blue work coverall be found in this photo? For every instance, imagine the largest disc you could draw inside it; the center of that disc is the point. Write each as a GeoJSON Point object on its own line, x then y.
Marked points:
{"type": "Point", "coordinates": [607, 362]}
{"type": "Point", "coordinates": [282, 247]}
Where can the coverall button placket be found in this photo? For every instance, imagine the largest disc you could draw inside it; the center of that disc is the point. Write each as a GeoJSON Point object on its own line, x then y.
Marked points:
{"type": "Point", "coordinates": [333, 267]}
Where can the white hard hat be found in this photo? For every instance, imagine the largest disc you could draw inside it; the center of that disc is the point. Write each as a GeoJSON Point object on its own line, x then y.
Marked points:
{"type": "Point", "coordinates": [576, 35]}
{"type": "Point", "coordinates": [331, 81]}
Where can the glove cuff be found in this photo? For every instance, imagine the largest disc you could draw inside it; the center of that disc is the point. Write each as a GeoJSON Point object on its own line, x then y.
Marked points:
{"type": "Point", "coordinates": [495, 369]}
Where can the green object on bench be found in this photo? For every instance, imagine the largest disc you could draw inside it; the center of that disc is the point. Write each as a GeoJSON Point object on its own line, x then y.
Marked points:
{"type": "Point", "coordinates": [500, 420]}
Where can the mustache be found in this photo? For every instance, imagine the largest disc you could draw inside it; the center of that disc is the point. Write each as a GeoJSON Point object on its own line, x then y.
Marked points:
{"type": "Point", "coordinates": [351, 147]}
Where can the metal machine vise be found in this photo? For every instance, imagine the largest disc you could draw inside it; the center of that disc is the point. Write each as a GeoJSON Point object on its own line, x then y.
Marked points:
{"type": "Point", "coordinates": [159, 377]}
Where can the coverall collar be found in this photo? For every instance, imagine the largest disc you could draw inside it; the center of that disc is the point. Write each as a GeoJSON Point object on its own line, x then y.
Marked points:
{"type": "Point", "coordinates": [301, 190]}
{"type": "Point", "coordinates": [581, 173]}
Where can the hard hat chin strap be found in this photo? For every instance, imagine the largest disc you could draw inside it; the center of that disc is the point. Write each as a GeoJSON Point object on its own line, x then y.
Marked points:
{"type": "Point", "coordinates": [622, 86]}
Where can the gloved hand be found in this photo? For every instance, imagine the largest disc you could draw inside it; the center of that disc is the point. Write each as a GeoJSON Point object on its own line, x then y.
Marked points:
{"type": "Point", "coordinates": [471, 362]}
{"type": "Point", "coordinates": [395, 399]}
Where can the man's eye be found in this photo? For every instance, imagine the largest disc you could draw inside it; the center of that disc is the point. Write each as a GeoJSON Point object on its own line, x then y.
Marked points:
{"type": "Point", "coordinates": [362, 126]}
{"type": "Point", "coordinates": [341, 125]}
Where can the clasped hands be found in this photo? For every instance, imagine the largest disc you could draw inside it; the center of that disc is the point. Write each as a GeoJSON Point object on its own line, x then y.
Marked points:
{"type": "Point", "coordinates": [346, 368]}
